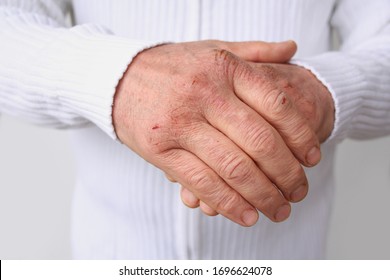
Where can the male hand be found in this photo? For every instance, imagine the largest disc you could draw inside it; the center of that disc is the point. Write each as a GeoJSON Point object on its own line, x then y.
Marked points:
{"type": "Point", "coordinates": [208, 120]}
{"type": "Point", "coordinates": [303, 95]}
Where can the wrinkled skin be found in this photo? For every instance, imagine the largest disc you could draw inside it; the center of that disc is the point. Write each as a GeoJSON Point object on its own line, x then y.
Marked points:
{"type": "Point", "coordinates": [233, 133]}
{"type": "Point", "coordinates": [304, 92]}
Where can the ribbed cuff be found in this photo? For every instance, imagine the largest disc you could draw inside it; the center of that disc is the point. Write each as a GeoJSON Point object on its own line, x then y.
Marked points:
{"type": "Point", "coordinates": [344, 81]}
{"type": "Point", "coordinates": [86, 65]}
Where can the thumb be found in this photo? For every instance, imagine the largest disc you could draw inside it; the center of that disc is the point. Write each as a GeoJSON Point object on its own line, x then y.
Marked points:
{"type": "Point", "coordinates": [258, 51]}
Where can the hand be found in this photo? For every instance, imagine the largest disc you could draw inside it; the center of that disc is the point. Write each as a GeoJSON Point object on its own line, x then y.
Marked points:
{"type": "Point", "coordinates": [305, 97]}
{"type": "Point", "coordinates": [183, 107]}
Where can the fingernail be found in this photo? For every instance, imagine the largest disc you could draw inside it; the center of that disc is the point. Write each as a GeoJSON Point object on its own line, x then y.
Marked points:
{"type": "Point", "coordinates": [298, 194]}
{"type": "Point", "coordinates": [313, 156]}
{"type": "Point", "coordinates": [283, 213]}
{"type": "Point", "coordinates": [189, 198]}
{"type": "Point", "coordinates": [249, 217]}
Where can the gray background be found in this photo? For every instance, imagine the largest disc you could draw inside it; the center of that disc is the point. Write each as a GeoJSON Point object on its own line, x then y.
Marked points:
{"type": "Point", "coordinates": [37, 175]}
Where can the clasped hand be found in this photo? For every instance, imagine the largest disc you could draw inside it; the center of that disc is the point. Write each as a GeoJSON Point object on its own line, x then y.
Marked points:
{"type": "Point", "coordinates": [228, 121]}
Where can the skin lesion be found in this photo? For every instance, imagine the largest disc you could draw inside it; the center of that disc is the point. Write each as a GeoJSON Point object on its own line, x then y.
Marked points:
{"type": "Point", "coordinates": [269, 72]}
{"type": "Point", "coordinates": [222, 54]}
{"type": "Point", "coordinates": [288, 86]}
{"type": "Point", "coordinates": [225, 59]}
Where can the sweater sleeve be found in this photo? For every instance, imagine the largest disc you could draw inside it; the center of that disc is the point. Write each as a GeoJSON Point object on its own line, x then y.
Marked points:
{"type": "Point", "coordinates": [56, 75]}
{"type": "Point", "coordinates": [358, 75]}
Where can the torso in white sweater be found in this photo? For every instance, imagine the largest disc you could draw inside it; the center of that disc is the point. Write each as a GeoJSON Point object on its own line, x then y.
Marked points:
{"type": "Point", "coordinates": [123, 206]}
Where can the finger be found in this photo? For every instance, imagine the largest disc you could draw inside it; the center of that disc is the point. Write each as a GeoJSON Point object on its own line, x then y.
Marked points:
{"type": "Point", "coordinates": [277, 108]}
{"type": "Point", "coordinates": [207, 209]}
{"type": "Point", "coordinates": [188, 198]}
{"type": "Point", "coordinates": [193, 173]}
{"type": "Point", "coordinates": [238, 170]}
{"type": "Point", "coordinates": [169, 177]}
{"type": "Point", "coordinates": [254, 135]}
{"type": "Point", "coordinates": [257, 51]}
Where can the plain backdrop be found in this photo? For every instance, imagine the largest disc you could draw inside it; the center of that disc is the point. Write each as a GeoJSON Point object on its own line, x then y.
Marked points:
{"type": "Point", "coordinates": [37, 174]}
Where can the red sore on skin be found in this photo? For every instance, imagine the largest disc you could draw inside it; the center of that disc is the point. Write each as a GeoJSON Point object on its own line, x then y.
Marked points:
{"type": "Point", "coordinates": [156, 126]}
{"type": "Point", "coordinates": [284, 100]}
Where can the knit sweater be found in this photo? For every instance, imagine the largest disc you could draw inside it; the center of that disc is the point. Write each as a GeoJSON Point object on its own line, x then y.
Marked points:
{"type": "Point", "coordinates": [64, 76]}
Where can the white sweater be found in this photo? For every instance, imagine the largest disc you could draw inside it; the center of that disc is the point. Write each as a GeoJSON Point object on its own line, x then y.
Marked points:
{"type": "Point", "coordinates": [123, 207]}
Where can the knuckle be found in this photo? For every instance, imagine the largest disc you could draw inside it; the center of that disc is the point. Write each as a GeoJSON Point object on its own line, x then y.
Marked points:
{"type": "Point", "coordinates": [301, 134]}
{"type": "Point", "coordinates": [202, 180]}
{"type": "Point", "coordinates": [263, 141]}
{"type": "Point", "coordinates": [270, 73]}
{"type": "Point", "coordinates": [293, 177]}
{"type": "Point", "coordinates": [223, 200]}
{"type": "Point", "coordinates": [225, 61]}
{"type": "Point", "coordinates": [235, 167]}
{"type": "Point", "coordinates": [277, 103]}
{"type": "Point", "coordinates": [267, 202]}
{"type": "Point", "coordinates": [222, 55]}
{"type": "Point", "coordinates": [266, 199]}
{"type": "Point", "coordinates": [207, 209]}
{"type": "Point", "coordinates": [228, 203]}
